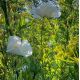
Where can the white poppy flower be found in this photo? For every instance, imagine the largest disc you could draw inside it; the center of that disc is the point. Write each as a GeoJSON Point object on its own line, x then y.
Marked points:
{"type": "Point", "coordinates": [14, 43]}
{"type": "Point", "coordinates": [46, 9]}
{"type": "Point", "coordinates": [15, 46]}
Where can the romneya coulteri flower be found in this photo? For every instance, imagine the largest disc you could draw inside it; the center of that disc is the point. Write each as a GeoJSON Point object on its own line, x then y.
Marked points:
{"type": "Point", "coordinates": [49, 9]}
{"type": "Point", "coordinates": [16, 46]}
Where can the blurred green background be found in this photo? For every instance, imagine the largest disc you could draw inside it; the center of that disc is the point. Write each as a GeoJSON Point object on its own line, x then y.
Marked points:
{"type": "Point", "coordinates": [54, 42]}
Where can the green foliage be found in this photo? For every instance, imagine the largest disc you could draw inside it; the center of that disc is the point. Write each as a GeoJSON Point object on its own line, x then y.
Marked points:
{"type": "Point", "coordinates": [54, 42]}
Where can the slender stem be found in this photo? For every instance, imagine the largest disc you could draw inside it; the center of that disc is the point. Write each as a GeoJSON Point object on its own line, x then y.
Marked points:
{"type": "Point", "coordinates": [67, 39]}
{"type": "Point", "coordinates": [5, 10]}
{"type": "Point", "coordinates": [41, 36]}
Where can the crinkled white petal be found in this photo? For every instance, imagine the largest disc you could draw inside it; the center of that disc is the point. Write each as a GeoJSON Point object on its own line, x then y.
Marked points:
{"type": "Point", "coordinates": [14, 43]}
{"type": "Point", "coordinates": [47, 9]}
{"type": "Point", "coordinates": [26, 49]}
{"type": "Point", "coordinates": [34, 14]}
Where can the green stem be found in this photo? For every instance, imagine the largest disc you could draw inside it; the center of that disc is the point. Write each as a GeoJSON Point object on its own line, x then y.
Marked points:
{"type": "Point", "coordinates": [5, 10]}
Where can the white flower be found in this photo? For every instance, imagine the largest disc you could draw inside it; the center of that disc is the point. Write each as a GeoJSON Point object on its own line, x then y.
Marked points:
{"type": "Point", "coordinates": [15, 46]}
{"type": "Point", "coordinates": [46, 9]}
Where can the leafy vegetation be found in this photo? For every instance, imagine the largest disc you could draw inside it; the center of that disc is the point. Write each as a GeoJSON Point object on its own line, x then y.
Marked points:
{"type": "Point", "coordinates": [54, 43]}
